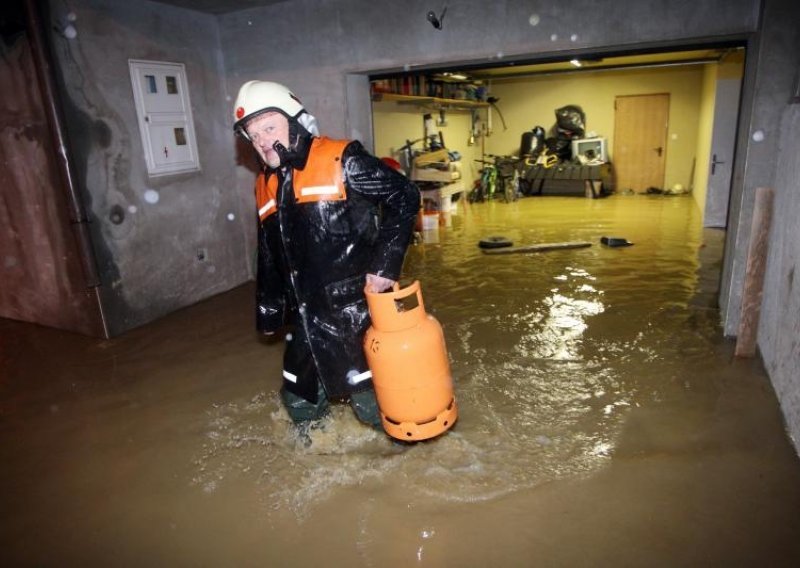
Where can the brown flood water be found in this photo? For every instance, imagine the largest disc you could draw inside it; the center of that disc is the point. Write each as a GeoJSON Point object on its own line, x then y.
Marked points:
{"type": "Point", "coordinates": [603, 422]}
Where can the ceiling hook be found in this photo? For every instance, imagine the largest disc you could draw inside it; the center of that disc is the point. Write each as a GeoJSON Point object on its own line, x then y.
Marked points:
{"type": "Point", "coordinates": [437, 22]}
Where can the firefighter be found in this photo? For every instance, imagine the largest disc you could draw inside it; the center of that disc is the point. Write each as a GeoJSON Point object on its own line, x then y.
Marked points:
{"type": "Point", "coordinates": [333, 219]}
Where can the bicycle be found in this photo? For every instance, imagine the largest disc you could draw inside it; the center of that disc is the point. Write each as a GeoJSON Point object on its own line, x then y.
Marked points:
{"type": "Point", "coordinates": [508, 172]}
{"type": "Point", "coordinates": [485, 186]}
{"type": "Point", "coordinates": [500, 177]}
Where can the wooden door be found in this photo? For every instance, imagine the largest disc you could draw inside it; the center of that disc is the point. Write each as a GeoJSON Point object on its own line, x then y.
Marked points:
{"type": "Point", "coordinates": [640, 141]}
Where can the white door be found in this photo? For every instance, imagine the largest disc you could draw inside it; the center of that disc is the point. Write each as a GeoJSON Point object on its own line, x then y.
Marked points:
{"type": "Point", "coordinates": [720, 164]}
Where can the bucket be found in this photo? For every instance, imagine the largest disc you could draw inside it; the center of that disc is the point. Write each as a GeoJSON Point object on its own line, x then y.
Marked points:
{"type": "Point", "coordinates": [430, 221]}
{"type": "Point", "coordinates": [446, 204]}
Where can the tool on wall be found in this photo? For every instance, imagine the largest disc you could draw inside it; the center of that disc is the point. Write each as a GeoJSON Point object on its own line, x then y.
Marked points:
{"type": "Point", "coordinates": [437, 22]}
{"type": "Point", "coordinates": [493, 103]}
{"type": "Point", "coordinates": [429, 125]}
{"type": "Point", "coordinates": [473, 128]}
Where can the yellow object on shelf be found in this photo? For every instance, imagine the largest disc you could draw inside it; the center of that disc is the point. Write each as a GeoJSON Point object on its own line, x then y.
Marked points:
{"type": "Point", "coordinates": [434, 166]}
{"type": "Point", "coordinates": [435, 157]}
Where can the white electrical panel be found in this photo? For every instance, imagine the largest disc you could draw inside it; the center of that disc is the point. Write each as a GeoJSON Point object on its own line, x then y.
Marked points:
{"type": "Point", "coordinates": [161, 94]}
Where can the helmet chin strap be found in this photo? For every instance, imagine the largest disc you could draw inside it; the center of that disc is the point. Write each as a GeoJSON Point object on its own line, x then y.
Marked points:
{"type": "Point", "coordinates": [301, 132]}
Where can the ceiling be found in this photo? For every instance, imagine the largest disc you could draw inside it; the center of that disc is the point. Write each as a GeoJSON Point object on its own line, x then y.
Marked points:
{"type": "Point", "coordinates": [219, 6]}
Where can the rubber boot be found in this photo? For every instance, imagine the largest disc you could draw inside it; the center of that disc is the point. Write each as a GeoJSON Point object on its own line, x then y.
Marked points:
{"type": "Point", "coordinates": [300, 410]}
{"type": "Point", "coordinates": [365, 405]}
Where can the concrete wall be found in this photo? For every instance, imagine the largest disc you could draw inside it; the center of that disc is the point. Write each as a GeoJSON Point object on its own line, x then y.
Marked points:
{"type": "Point", "coordinates": [148, 262]}
{"type": "Point", "coordinates": [771, 68]}
{"type": "Point", "coordinates": [526, 103]}
{"type": "Point", "coordinates": [767, 156]}
{"type": "Point", "coordinates": [779, 329]}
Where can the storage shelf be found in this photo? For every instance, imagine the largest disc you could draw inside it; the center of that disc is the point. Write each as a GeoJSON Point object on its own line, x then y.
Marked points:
{"type": "Point", "coordinates": [435, 101]}
{"type": "Point", "coordinates": [442, 190]}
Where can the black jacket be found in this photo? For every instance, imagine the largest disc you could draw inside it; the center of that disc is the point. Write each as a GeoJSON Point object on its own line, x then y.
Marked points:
{"type": "Point", "coordinates": [313, 258]}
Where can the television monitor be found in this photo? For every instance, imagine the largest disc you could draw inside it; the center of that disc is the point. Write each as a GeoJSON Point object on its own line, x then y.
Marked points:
{"type": "Point", "coordinates": [590, 149]}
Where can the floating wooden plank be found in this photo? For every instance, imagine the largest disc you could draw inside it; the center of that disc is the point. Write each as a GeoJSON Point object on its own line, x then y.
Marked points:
{"type": "Point", "coordinates": [543, 247]}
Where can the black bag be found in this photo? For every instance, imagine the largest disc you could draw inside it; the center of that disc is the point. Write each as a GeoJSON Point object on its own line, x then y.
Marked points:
{"type": "Point", "coordinates": [532, 143]}
{"type": "Point", "coordinates": [572, 119]}
{"type": "Point", "coordinates": [561, 146]}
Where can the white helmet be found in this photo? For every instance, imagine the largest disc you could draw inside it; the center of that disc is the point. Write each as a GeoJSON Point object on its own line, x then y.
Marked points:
{"type": "Point", "coordinates": [256, 97]}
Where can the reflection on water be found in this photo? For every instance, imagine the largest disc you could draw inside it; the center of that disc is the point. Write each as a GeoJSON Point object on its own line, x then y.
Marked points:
{"type": "Point", "coordinates": [597, 401]}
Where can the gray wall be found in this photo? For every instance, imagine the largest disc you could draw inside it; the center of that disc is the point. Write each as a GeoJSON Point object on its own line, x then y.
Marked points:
{"type": "Point", "coordinates": [770, 71]}
{"type": "Point", "coordinates": [779, 329]}
{"type": "Point", "coordinates": [771, 78]}
{"type": "Point", "coordinates": [148, 262]}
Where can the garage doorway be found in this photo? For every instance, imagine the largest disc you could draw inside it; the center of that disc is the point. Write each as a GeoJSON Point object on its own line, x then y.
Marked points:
{"type": "Point", "coordinates": [685, 80]}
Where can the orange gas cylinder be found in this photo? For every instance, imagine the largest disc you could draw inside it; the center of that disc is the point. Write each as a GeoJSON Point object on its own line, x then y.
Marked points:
{"type": "Point", "coordinates": [406, 353]}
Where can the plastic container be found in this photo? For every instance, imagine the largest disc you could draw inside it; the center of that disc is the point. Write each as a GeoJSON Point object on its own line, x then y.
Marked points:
{"type": "Point", "coordinates": [446, 204]}
{"type": "Point", "coordinates": [430, 221]}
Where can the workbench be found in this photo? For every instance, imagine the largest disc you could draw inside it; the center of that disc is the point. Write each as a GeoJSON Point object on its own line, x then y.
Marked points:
{"type": "Point", "coordinates": [570, 179]}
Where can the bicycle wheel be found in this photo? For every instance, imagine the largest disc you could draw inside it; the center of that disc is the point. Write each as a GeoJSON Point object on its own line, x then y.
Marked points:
{"type": "Point", "coordinates": [476, 193]}
{"type": "Point", "coordinates": [491, 182]}
{"type": "Point", "coordinates": [510, 188]}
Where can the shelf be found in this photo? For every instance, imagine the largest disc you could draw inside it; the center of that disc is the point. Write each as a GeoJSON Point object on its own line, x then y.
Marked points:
{"type": "Point", "coordinates": [430, 174]}
{"type": "Point", "coordinates": [435, 101]}
{"type": "Point", "coordinates": [443, 190]}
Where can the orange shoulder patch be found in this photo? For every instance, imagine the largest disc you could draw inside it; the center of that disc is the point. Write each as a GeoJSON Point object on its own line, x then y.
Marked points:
{"type": "Point", "coordinates": [322, 178]}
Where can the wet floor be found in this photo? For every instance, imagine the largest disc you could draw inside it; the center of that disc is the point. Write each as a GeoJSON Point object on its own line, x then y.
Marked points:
{"type": "Point", "coordinates": [603, 422]}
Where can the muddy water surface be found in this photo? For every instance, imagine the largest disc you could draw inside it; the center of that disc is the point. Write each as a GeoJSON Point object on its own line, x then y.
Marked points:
{"type": "Point", "coordinates": [603, 422]}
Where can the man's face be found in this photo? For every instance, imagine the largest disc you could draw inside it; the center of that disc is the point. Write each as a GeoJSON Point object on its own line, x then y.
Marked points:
{"type": "Point", "coordinates": [264, 130]}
